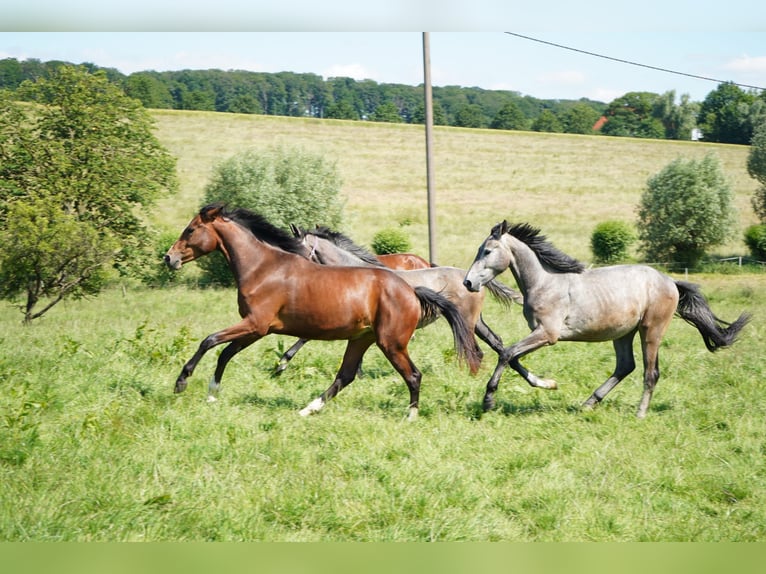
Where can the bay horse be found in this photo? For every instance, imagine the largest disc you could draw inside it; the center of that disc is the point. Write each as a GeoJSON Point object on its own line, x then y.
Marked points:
{"type": "Point", "coordinates": [280, 291]}
{"type": "Point", "coordinates": [564, 301]}
{"type": "Point", "coordinates": [330, 247]}
{"type": "Point", "coordinates": [403, 261]}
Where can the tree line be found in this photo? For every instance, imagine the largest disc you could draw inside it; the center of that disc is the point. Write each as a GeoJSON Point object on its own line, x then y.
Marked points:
{"type": "Point", "coordinates": [727, 115]}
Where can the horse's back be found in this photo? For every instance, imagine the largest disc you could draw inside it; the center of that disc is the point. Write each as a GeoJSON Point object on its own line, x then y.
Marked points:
{"type": "Point", "coordinates": [608, 302]}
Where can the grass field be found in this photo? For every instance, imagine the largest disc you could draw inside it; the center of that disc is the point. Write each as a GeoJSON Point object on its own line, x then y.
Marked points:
{"type": "Point", "coordinates": [94, 446]}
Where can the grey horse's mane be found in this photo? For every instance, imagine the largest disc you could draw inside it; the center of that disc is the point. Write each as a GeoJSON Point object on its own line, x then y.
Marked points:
{"type": "Point", "coordinates": [344, 242]}
{"type": "Point", "coordinates": [547, 254]}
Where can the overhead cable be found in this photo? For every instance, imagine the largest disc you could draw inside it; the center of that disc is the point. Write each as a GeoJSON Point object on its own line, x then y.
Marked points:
{"type": "Point", "coordinates": [620, 60]}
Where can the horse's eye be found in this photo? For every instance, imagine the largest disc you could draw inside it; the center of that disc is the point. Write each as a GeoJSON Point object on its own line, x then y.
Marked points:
{"type": "Point", "coordinates": [188, 231]}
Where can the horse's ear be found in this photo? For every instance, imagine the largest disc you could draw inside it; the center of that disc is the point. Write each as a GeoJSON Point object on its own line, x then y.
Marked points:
{"type": "Point", "coordinates": [504, 227]}
{"type": "Point", "coordinates": [295, 231]}
{"type": "Point", "coordinates": [210, 212]}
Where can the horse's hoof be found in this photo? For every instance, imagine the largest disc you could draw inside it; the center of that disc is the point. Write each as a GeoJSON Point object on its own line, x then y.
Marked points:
{"type": "Point", "coordinates": [180, 386]}
{"type": "Point", "coordinates": [549, 384]}
{"type": "Point", "coordinates": [279, 368]}
{"type": "Point", "coordinates": [313, 407]}
{"type": "Point", "coordinates": [488, 405]}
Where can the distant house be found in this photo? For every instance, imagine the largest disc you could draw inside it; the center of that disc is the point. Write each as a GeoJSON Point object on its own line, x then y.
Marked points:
{"type": "Point", "coordinates": [697, 134]}
{"type": "Point", "coordinates": [600, 123]}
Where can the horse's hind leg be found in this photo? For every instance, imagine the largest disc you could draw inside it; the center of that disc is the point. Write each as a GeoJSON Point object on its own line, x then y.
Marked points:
{"type": "Point", "coordinates": [400, 359]}
{"type": "Point", "coordinates": [288, 355]}
{"type": "Point", "coordinates": [352, 358]}
{"type": "Point", "coordinates": [626, 364]}
{"type": "Point", "coordinates": [651, 376]}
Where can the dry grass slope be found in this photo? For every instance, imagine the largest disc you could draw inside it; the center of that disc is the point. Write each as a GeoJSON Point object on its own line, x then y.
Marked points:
{"type": "Point", "coordinates": [564, 184]}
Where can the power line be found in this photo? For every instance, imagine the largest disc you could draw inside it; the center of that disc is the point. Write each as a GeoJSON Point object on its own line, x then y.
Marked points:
{"type": "Point", "coordinates": [632, 63]}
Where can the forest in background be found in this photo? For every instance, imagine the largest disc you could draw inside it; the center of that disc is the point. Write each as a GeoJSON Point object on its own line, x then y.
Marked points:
{"type": "Point", "coordinates": [728, 114]}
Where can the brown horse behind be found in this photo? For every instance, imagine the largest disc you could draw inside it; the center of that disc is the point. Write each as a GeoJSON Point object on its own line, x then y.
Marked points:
{"type": "Point", "coordinates": [281, 291]}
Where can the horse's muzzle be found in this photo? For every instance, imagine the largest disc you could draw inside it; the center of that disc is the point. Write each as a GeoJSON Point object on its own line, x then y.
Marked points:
{"type": "Point", "coordinates": [173, 261]}
{"type": "Point", "coordinates": [470, 286]}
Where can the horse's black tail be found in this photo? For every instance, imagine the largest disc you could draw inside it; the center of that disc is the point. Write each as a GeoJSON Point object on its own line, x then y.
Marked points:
{"type": "Point", "coordinates": [433, 305]}
{"type": "Point", "coordinates": [695, 310]}
{"type": "Point", "coordinates": [504, 294]}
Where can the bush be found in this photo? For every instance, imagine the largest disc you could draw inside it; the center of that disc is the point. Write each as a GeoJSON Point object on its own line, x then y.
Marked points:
{"type": "Point", "coordinates": [610, 241]}
{"type": "Point", "coordinates": [755, 239]}
{"type": "Point", "coordinates": [283, 185]}
{"type": "Point", "coordinates": [390, 240]}
{"type": "Point", "coordinates": [686, 209]}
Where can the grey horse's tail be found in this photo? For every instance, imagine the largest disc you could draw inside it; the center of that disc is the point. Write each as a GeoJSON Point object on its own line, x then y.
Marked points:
{"type": "Point", "coordinates": [434, 305]}
{"type": "Point", "coordinates": [504, 294]}
{"type": "Point", "coordinates": [695, 310]}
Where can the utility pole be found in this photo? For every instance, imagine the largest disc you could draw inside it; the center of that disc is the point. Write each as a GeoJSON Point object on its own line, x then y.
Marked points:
{"type": "Point", "coordinates": [429, 148]}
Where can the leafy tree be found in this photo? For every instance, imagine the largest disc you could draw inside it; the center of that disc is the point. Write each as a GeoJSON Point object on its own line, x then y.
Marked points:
{"type": "Point", "coordinates": [150, 90]}
{"type": "Point", "coordinates": [679, 120]}
{"type": "Point", "coordinates": [470, 116]}
{"type": "Point", "coordinates": [510, 117]}
{"type": "Point", "coordinates": [633, 115]}
{"type": "Point", "coordinates": [579, 119]}
{"type": "Point", "coordinates": [342, 110]}
{"type": "Point", "coordinates": [387, 112]}
{"type": "Point", "coordinates": [419, 115]}
{"type": "Point", "coordinates": [724, 115]}
{"type": "Point", "coordinates": [546, 122]}
{"type": "Point", "coordinates": [756, 167]}
{"type": "Point", "coordinates": [284, 185]}
{"type": "Point", "coordinates": [686, 209]}
{"type": "Point", "coordinates": [75, 169]}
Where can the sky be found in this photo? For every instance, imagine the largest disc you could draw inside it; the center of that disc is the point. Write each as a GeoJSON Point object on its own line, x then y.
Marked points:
{"type": "Point", "coordinates": [472, 44]}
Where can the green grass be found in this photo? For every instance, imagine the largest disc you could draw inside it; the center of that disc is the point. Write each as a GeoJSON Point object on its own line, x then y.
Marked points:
{"type": "Point", "coordinates": [94, 446]}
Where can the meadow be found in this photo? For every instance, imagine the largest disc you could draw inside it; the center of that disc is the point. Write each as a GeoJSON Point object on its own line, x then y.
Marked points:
{"type": "Point", "coordinates": [94, 446]}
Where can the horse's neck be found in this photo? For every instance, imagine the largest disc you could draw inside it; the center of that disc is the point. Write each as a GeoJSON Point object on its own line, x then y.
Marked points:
{"type": "Point", "coordinates": [525, 266]}
{"type": "Point", "coordinates": [243, 252]}
{"type": "Point", "coordinates": [331, 254]}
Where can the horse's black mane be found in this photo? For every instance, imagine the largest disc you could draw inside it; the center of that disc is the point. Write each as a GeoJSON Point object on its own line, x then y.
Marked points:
{"type": "Point", "coordinates": [263, 230]}
{"type": "Point", "coordinates": [345, 243]}
{"type": "Point", "coordinates": [547, 254]}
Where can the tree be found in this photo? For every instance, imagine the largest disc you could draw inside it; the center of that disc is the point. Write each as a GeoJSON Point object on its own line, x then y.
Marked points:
{"type": "Point", "coordinates": [756, 168]}
{"type": "Point", "coordinates": [633, 115]}
{"type": "Point", "coordinates": [470, 116]}
{"type": "Point", "coordinates": [76, 166]}
{"type": "Point", "coordinates": [724, 115]}
{"type": "Point", "coordinates": [509, 117]}
{"type": "Point", "coordinates": [284, 185]}
{"type": "Point", "coordinates": [419, 115]}
{"type": "Point", "coordinates": [686, 209]}
{"type": "Point", "coordinates": [579, 119]}
{"type": "Point", "coordinates": [546, 122]}
{"type": "Point", "coordinates": [678, 119]}
{"type": "Point", "coordinates": [387, 112]}
{"type": "Point", "coordinates": [342, 110]}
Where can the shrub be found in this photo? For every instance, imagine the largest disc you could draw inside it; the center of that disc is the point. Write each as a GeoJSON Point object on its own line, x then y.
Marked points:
{"type": "Point", "coordinates": [390, 240]}
{"type": "Point", "coordinates": [686, 209]}
{"type": "Point", "coordinates": [610, 241]}
{"type": "Point", "coordinates": [284, 185]}
{"type": "Point", "coordinates": [755, 239]}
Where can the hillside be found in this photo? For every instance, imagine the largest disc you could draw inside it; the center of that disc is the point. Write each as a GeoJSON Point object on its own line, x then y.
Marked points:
{"type": "Point", "coordinates": [564, 184]}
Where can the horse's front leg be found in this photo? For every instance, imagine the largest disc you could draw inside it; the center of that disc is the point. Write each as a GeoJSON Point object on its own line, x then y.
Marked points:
{"type": "Point", "coordinates": [241, 329]}
{"type": "Point", "coordinates": [510, 356]}
{"type": "Point", "coordinates": [223, 359]}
